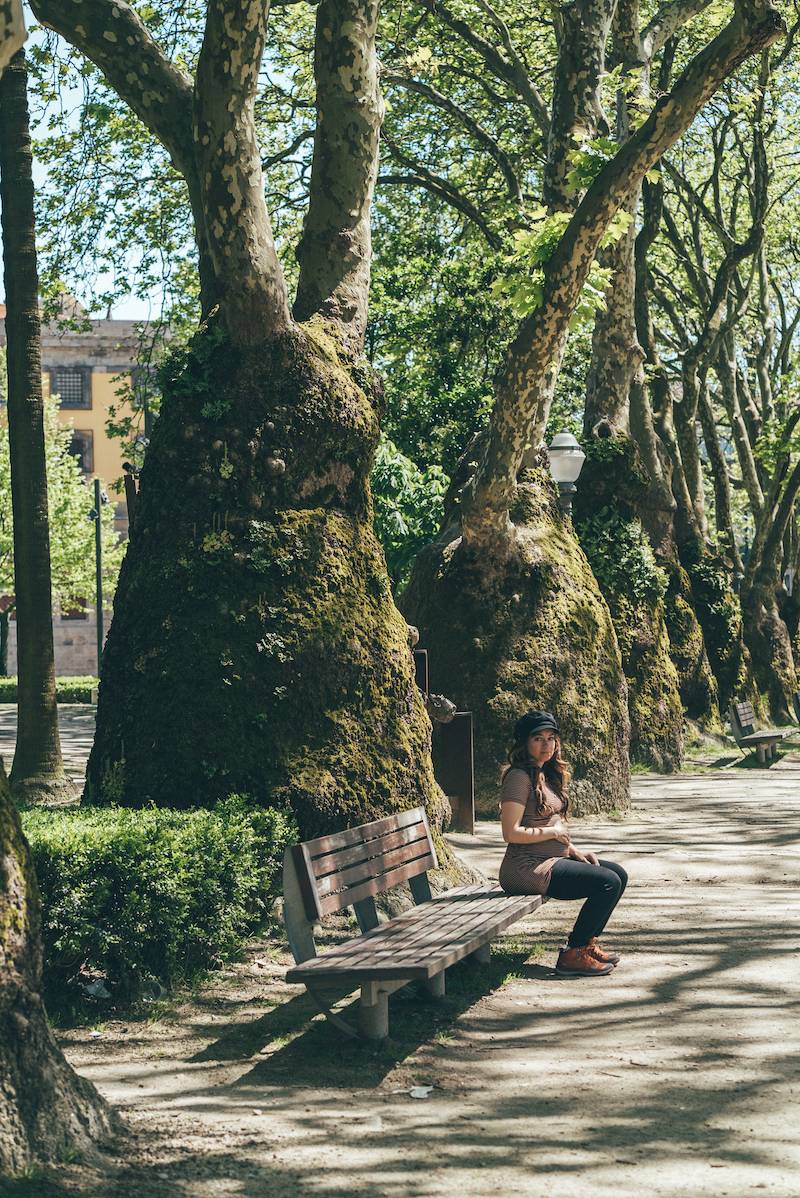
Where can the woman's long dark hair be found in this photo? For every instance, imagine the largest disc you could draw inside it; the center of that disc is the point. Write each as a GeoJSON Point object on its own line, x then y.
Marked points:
{"type": "Point", "coordinates": [555, 772]}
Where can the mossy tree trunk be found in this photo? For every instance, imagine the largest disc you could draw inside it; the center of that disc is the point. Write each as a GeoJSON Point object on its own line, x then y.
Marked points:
{"type": "Point", "coordinates": [768, 636]}
{"type": "Point", "coordinates": [38, 770]}
{"type": "Point", "coordinates": [255, 646]}
{"type": "Point", "coordinates": [47, 1112]}
{"type": "Point", "coordinates": [529, 631]}
{"type": "Point", "coordinates": [613, 483]}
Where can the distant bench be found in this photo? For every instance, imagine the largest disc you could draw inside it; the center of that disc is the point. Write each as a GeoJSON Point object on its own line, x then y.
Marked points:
{"type": "Point", "coordinates": [765, 742]}
{"type": "Point", "coordinates": [347, 869]}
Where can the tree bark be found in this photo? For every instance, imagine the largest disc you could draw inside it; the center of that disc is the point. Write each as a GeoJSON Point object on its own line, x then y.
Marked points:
{"type": "Point", "coordinates": [253, 300]}
{"type": "Point", "coordinates": [335, 249]}
{"type": "Point", "coordinates": [46, 1110]}
{"type": "Point", "coordinates": [38, 771]}
{"type": "Point", "coordinates": [5, 618]}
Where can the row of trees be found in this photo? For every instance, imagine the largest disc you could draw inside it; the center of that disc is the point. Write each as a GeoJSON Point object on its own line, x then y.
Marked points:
{"type": "Point", "coordinates": [255, 645]}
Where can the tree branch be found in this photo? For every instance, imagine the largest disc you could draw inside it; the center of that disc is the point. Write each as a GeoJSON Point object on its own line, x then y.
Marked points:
{"type": "Point", "coordinates": [512, 72]}
{"type": "Point", "coordinates": [666, 23]}
{"type": "Point", "coordinates": [481, 135]}
{"type": "Point", "coordinates": [440, 187]}
{"type": "Point", "coordinates": [113, 36]}
{"type": "Point", "coordinates": [335, 249]}
{"type": "Point", "coordinates": [253, 297]}
{"type": "Point", "coordinates": [518, 416]}
{"type": "Point", "coordinates": [443, 191]}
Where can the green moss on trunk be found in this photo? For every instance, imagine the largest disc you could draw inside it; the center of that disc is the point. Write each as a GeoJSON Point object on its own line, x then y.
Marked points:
{"type": "Point", "coordinates": [255, 647]}
{"type": "Point", "coordinates": [697, 685]}
{"type": "Point", "coordinates": [46, 1110]}
{"type": "Point", "coordinates": [720, 616]}
{"type": "Point", "coordinates": [612, 488]}
{"type": "Point", "coordinates": [532, 630]}
{"type": "Point", "coordinates": [769, 642]}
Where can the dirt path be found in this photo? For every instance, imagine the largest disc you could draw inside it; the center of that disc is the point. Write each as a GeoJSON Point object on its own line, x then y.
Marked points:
{"type": "Point", "coordinates": [677, 1075]}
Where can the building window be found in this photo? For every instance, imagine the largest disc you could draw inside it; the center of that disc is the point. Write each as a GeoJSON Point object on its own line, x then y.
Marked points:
{"type": "Point", "coordinates": [82, 447]}
{"type": "Point", "coordinates": [73, 386]}
{"type": "Point", "coordinates": [77, 611]}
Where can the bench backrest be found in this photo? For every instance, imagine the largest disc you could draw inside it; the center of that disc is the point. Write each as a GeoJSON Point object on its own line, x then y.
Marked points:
{"type": "Point", "coordinates": [344, 868]}
{"type": "Point", "coordinates": [743, 720]}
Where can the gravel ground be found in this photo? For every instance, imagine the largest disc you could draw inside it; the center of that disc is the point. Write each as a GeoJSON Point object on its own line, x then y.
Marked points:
{"type": "Point", "coordinates": [679, 1074]}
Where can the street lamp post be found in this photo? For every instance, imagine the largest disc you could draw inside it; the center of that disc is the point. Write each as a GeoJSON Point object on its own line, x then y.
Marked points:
{"type": "Point", "coordinates": [100, 498]}
{"type": "Point", "coordinates": [566, 462]}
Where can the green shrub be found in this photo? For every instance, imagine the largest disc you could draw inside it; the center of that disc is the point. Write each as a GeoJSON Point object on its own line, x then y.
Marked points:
{"type": "Point", "coordinates": [134, 895]}
{"type": "Point", "coordinates": [68, 690]}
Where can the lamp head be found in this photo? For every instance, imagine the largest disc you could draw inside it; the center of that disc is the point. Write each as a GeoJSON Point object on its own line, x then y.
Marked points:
{"type": "Point", "coordinates": [566, 458]}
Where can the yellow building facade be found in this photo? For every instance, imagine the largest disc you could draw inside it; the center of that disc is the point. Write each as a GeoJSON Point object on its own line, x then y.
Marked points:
{"type": "Point", "coordinates": [86, 369]}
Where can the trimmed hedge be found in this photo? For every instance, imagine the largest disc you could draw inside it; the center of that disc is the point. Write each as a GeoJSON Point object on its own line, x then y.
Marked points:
{"type": "Point", "coordinates": [68, 690]}
{"type": "Point", "coordinates": [132, 896]}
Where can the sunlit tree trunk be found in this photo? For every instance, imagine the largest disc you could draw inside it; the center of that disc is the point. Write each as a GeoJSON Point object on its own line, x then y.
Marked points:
{"type": "Point", "coordinates": [38, 771]}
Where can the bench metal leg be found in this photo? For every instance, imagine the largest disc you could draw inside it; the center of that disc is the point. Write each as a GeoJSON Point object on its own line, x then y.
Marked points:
{"type": "Point", "coordinates": [373, 1012]}
{"type": "Point", "coordinates": [435, 985]}
{"type": "Point", "coordinates": [773, 749]}
{"type": "Point", "coordinates": [761, 753]}
{"type": "Point", "coordinates": [483, 955]}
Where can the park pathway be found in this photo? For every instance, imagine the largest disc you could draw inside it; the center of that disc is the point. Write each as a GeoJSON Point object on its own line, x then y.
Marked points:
{"type": "Point", "coordinates": [677, 1075]}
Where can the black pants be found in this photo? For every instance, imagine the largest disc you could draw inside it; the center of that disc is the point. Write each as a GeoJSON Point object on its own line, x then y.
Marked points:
{"type": "Point", "coordinates": [601, 885]}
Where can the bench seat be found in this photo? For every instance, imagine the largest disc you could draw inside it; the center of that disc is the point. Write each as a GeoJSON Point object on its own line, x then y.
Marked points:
{"type": "Point", "coordinates": [764, 741]}
{"type": "Point", "coordinates": [423, 941]}
{"type": "Point", "coordinates": [347, 870]}
{"type": "Point", "coordinates": [763, 738]}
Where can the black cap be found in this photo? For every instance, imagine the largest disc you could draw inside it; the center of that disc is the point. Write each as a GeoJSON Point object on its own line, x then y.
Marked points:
{"type": "Point", "coordinates": [533, 722]}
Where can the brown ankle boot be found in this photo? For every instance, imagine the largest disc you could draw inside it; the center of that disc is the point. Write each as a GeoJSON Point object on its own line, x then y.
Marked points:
{"type": "Point", "coordinates": [580, 963]}
{"type": "Point", "coordinates": [602, 954]}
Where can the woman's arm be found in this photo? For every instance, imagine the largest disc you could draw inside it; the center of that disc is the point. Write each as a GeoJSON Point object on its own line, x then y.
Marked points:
{"type": "Point", "coordinates": [511, 816]}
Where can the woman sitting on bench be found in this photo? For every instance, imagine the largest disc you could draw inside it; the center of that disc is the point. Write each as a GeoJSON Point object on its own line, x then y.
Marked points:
{"type": "Point", "coordinates": [541, 858]}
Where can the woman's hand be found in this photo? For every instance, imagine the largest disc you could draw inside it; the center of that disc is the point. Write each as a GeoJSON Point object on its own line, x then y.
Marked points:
{"type": "Point", "coordinates": [559, 830]}
{"type": "Point", "coordinates": [586, 858]}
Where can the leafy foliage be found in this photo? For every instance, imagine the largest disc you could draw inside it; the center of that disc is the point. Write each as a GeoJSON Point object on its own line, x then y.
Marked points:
{"type": "Point", "coordinates": [522, 283]}
{"type": "Point", "coordinates": [409, 504]}
{"type": "Point", "coordinates": [129, 896]}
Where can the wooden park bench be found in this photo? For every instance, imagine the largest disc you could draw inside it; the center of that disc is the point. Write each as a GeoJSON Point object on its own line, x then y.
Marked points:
{"type": "Point", "coordinates": [348, 869]}
{"type": "Point", "coordinates": [765, 742]}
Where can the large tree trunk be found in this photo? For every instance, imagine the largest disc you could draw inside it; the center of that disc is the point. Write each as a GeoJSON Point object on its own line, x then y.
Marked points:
{"type": "Point", "coordinates": [255, 647]}
{"type": "Point", "coordinates": [616, 480]}
{"type": "Point", "coordinates": [532, 631]}
{"type": "Point", "coordinates": [38, 771]}
{"type": "Point", "coordinates": [46, 1111]}
{"type": "Point", "coordinates": [612, 485]}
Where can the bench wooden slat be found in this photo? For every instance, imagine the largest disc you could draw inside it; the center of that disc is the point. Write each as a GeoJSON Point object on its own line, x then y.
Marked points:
{"type": "Point", "coordinates": [378, 827]}
{"type": "Point", "coordinates": [761, 738]}
{"type": "Point", "coordinates": [421, 942]}
{"type": "Point", "coordinates": [342, 858]}
{"type": "Point", "coordinates": [377, 885]}
{"type": "Point", "coordinates": [373, 867]}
